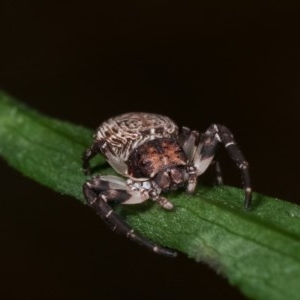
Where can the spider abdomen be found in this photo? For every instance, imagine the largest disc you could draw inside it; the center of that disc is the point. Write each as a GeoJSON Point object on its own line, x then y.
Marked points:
{"type": "Point", "coordinates": [126, 132]}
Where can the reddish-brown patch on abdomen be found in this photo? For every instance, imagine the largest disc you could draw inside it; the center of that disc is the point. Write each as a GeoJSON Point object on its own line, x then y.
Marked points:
{"type": "Point", "coordinates": [154, 156]}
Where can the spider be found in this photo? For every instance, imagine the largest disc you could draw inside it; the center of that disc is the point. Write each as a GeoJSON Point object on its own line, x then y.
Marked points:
{"type": "Point", "coordinates": [153, 156]}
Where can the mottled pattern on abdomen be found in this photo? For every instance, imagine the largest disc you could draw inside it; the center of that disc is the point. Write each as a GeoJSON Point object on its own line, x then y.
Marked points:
{"type": "Point", "coordinates": [126, 132]}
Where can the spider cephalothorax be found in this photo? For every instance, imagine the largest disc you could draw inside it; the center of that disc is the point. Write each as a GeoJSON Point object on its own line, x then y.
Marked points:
{"type": "Point", "coordinates": [154, 156]}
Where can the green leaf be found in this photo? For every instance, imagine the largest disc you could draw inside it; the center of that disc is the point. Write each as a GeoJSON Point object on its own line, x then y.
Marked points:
{"type": "Point", "coordinates": [257, 250]}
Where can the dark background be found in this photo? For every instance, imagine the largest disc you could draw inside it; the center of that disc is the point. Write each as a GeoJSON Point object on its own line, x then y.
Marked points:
{"type": "Point", "coordinates": [235, 63]}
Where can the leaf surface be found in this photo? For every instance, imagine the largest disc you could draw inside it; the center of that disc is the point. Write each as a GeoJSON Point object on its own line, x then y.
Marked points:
{"type": "Point", "coordinates": [257, 250]}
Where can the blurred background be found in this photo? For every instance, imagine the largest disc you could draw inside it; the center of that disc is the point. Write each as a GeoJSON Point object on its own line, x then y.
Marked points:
{"type": "Point", "coordinates": [234, 63]}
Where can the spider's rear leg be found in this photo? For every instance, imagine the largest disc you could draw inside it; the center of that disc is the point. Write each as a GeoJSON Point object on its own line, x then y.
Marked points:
{"type": "Point", "coordinates": [209, 142]}
{"type": "Point", "coordinates": [217, 172]}
{"type": "Point", "coordinates": [101, 190]}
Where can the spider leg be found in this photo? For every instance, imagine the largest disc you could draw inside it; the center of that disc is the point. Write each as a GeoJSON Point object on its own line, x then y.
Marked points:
{"type": "Point", "coordinates": [87, 156]}
{"type": "Point", "coordinates": [101, 147]}
{"type": "Point", "coordinates": [189, 140]}
{"type": "Point", "coordinates": [117, 163]}
{"type": "Point", "coordinates": [218, 172]}
{"type": "Point", "coordinates": [100, 191]}
{"type": "Point", "coordinates": [207, 148]}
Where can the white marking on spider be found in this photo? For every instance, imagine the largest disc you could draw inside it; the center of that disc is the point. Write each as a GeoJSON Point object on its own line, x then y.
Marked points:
{"type": "Point", "coordinates": [94, 200]}
{"type": "Point", "coordinates": [104, 198]}
{"type": "Point", "coordinates": [155, 249]}
{"type": "Point", "coordinates": [243, 165]}
{"type": "Point", "coordinates": [219, 180]}
{"type": "Point", "coordinates": [218, 138]}
{"type": "Point", "coordinates": [130, 233]}
{"type": "Point", "coordinates": [229, 144]}
{"type": "Point", "coordinates": [108, 214]}
{"type": "Point", "coordinates": [146, 185]}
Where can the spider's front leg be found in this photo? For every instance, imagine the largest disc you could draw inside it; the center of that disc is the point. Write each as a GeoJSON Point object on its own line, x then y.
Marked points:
{"type": "Point", "coordinates": [191, 145]}
{"type": "Point", "coordinates": [207, 148]}
{"type": "Point", "coordinates": [101, 190]}
{"type": "Point", "coordinates": [87, 156]}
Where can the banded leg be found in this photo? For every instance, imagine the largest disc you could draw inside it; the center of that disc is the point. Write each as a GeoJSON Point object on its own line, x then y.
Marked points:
{"type": "Point", "coordinates": [189, 141]}
{"type": "Point", "coordinates": [87, 156]}
{"type": "Point", "coordinates": [209, 142]}
{"type": "Point", "coordinates": [101, 190]}
{"type": "Point", "coordinates": [218, 172]}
